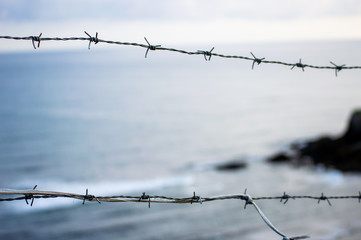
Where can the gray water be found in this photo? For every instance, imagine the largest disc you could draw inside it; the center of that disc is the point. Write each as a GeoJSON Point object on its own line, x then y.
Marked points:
{"type": "Point", "coordinates": [116, 123]}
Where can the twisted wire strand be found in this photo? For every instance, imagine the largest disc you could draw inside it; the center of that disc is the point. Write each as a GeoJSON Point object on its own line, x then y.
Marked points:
{"type": "Point", "coordinates": [206, 54]}
{"type": "Point", "coordinates": [157, 198]}
{"type": "Point", "coordinates": [35, 194]}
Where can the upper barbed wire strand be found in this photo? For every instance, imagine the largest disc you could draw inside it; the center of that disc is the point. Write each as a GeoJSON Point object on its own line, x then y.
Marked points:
{"type": "Point", "coordinates": [206, 54]}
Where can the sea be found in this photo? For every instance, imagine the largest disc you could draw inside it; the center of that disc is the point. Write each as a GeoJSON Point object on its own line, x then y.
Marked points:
{"type": "Point", "coordinates": [114, 122]}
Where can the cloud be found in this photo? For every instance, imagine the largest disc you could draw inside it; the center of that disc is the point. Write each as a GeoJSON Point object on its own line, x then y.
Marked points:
{"type": "Point", "coordinates": [181, 21]}
{"type": "Point", "coordinates": [176, 10]}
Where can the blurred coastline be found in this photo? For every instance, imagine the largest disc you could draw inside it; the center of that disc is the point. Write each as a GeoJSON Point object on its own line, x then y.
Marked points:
{"type": "Point", "coordinates": [114, 122]}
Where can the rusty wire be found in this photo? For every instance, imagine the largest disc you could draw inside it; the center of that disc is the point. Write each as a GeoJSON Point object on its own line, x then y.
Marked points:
{"type": "Point", "coordinates": [30, 194]}
{"type": "Point", "coordinates": [35, 194]}
{"type": "Point", "coordinates": [207, 54]}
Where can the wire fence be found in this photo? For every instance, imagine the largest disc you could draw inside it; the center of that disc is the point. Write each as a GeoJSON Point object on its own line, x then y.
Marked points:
{"type": "Point", "coordinates": [35, 40]}
{"type": "Point", "coordinates": [31, 195]}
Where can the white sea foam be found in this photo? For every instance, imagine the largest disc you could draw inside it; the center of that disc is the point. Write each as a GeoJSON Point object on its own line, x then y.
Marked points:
{"type": "Point", "coordinates": [95, 188]}
{"type": "Point", "coordinates": [330, 176]}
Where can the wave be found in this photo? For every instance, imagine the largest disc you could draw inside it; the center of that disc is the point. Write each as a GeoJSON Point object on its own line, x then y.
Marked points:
{"type": "Point", "coordinates": [103, 188]}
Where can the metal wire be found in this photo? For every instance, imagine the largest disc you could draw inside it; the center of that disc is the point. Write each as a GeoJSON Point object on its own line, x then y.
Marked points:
{"type": "Point", "coordinates": [159, 199]}
{"type": "Point", "coordinates": [207, 54]}
{"type": "Point", "coordinates": [35, 194]}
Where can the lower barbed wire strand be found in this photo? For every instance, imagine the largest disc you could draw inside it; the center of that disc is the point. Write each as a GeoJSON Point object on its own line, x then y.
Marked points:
{"type": "Point", "coordinates": [158, 198]}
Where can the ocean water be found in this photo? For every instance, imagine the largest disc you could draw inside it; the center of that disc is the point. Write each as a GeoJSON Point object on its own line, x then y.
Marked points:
{"type": "Point", "coordinates": [113, 122]}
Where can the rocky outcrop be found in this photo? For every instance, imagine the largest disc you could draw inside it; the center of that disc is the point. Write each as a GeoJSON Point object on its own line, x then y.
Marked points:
{"type": "Point", "coordinates": [231, 165]}
{"type": "Point", "coordinates": [279, 158]}
{"type": "Point", "coordinates": [343, 153]}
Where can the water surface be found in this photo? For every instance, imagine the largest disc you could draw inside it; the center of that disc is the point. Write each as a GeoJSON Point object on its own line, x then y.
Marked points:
{"type": "Point", "coordinates": [116, 123]}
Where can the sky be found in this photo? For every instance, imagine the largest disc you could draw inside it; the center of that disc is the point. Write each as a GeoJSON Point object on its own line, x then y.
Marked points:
{"type": "Point", "coordinates": [182, 21]}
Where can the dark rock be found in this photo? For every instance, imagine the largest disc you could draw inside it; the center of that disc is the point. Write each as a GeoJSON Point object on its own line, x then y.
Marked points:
{"type": "Point", "coordinates": [353, 132]}
{"type": "Point", "coordinates": [343, 153]}
{"type": "Point", "coordinates": [231, 166]}
{"type": "Point", "coordinates": [279, 158]}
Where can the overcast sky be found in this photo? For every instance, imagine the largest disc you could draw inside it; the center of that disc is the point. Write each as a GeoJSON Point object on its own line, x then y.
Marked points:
{"type": "Point", "coordinates": [184, 21]}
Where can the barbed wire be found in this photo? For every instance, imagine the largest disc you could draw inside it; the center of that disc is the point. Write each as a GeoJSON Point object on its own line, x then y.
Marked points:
{"type": "Point", "coordinates": [36, 194]}
{"type": "Point", "coordinates": [207, 54]}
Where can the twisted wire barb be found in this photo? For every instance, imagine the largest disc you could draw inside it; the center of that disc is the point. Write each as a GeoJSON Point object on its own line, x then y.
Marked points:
{"type": "Point", "coordinates": [92, 39]}
{"type": "Point", "coordinates": [299, 64]}
{"type": "Point", "coordinates": [207, 54]}
{"type": "Point", "coordinates": [150, 47]}
{"type": "Point", "coordinates": [36, 39]}
{"type": "Point", "coordinates": [32, 194]}
{"type": "Point", "coordinates": [256, 60]}
{"type": "Point", "coordinates": [338, 67]}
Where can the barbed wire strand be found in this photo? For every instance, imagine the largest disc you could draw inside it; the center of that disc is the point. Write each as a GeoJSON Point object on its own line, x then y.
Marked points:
{"type": "Point", "coordinates": [207, 54]}
{"type": "Point", "coordinates": [35, 194]}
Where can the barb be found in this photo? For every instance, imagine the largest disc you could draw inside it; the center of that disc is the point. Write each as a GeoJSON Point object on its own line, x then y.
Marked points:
{"type": "Point", "coordinates": [92, 39]}
{"type": "Point", "coordinates": [285, 197]}
{"type": "Point", "coordinates": [299, 64]}
{"type": "Point", "coordinates": [150, 47]}
{"type": "Point", "coordinates": [196, 198]}
{"type": "Point", "coordinates": [338, 67]}
{"type": "Point", "coordinates": [30, 196]}
{"type": "Point", "coordinates": [36, 39]}
{"type": "Point", "coordinates": [145, 197]}
{"type": "Point", "coordinates": [207, 54]}
{"type": "Point", "coordinates": [90, 197]}
{"type": "Point", "coordinates": [323, 198]}
{"type": "Point", "coordinates": [247, 198]}
{"type": "Point", "coordinates": [256, 60]}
